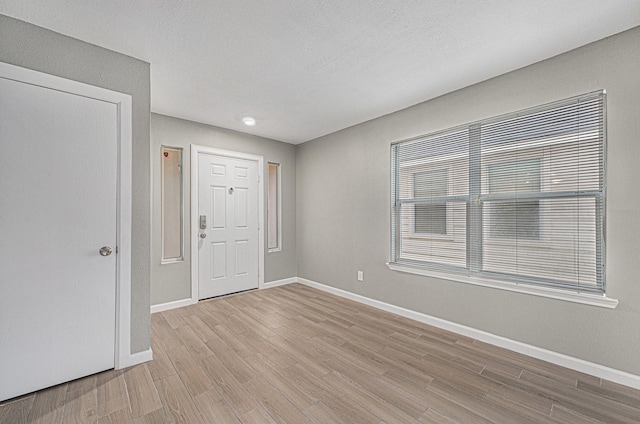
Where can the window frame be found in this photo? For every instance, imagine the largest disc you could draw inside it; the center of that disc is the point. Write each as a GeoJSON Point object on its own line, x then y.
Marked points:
{"type": "Point", "coordinates": [476, 199]}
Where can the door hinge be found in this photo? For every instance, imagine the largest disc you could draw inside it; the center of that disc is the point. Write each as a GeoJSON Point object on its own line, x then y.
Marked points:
{"type": "Point", "coordinates": [116, 250]}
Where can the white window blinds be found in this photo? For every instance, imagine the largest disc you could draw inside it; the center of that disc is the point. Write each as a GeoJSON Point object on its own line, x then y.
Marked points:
{"type": "Point", "coordinates": [517, 198]}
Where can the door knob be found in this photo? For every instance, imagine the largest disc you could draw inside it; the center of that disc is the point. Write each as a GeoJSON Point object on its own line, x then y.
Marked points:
{"type": "Point", "coordinates": [203, 235]}
{"type": "Point", "coordinates": [106, 250]}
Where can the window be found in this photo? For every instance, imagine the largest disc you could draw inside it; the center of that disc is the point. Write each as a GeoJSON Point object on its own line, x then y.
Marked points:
{"type": "Point", "coordinates": [274, 223]}
{"type": "Point", "coordinates": [509, 218]}
{"type": "Point", "coordinates": [430, 217]}
{"type": "Point", "coordinates": [518, 198]}
{"type": "Point", "coordinates": [171, 199]}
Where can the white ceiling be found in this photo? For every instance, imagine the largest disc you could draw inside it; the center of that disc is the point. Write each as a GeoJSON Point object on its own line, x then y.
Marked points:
{"type": "Point", "coordinates": [306, 68]}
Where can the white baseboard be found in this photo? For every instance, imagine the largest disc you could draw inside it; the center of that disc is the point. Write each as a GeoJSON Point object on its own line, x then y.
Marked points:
{"type": "Point", "coordinates": [186, 302]}
{"type": "Point", "coordinates": [135, 359]}
{"type": "Point", "coordinates": [172, 305]}
{"type": "Point", "coordinates": [600, 371]}
{"type": "Point", "coordinates": [277, 283]}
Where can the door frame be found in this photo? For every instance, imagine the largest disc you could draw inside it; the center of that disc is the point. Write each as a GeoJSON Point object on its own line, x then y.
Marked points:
{"type": "Point", "coordinates": [122, 355]}
{"type": "Point", "coordinates": [196, 150]}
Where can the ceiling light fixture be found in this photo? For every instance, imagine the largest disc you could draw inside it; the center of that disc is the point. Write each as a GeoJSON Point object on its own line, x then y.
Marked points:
{"type": "Point", "coordinates": [249, 120]}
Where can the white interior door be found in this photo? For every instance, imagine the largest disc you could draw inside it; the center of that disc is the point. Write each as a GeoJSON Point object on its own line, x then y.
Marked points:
{"type": "Point", "coordinates": [227, 225]}
{"type": "Point", "coordinates": [58, 182]}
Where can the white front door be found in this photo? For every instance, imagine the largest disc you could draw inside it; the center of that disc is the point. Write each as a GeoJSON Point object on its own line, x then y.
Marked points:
{"type": "Point", "coordinates": [227, 225]}
{"type": "Point", "coordinates": [58, 182]}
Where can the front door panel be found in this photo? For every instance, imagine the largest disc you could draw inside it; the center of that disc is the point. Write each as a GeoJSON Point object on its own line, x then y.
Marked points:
{"type": "Point", "coordinates": [228, 245]}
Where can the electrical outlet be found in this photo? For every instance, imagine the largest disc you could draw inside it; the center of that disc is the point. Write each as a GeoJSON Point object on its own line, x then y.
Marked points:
{"type": "Point", "coordinates": [360, 276]}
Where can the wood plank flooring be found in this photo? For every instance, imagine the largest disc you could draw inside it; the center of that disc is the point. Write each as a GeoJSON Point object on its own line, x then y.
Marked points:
{"type": "Point", "coordinates": [296, 355]}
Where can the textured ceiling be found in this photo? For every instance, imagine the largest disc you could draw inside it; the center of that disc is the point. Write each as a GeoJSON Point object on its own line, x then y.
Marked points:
{"type": "Point", "coordinates": [307, 68]}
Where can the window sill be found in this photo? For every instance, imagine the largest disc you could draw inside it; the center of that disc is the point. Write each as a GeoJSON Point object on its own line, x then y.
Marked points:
{"type": "Point", "coordinates": [569, 296]}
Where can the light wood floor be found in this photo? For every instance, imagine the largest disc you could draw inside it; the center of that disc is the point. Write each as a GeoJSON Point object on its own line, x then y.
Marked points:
{"type": "Point", "coordinates": [293, 354]}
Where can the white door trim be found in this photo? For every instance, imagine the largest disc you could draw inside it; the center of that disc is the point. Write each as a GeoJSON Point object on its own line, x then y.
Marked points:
{"type": "Point", "coordinates": [122, 354]}
{"type": "Point", "coordinates": [195, 151]}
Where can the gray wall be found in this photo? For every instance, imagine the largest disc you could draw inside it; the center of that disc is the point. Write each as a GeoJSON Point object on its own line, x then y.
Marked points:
{"type": "Point", "coordinates": [171, 281]}
{"type": "Point", "coordinates": [32, 47]}
{"type": "Point", "coordinates": [343, 208]}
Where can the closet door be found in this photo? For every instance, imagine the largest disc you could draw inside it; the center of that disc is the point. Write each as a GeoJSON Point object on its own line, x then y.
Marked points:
{"type": "Point", "coordinates": [58, 199]}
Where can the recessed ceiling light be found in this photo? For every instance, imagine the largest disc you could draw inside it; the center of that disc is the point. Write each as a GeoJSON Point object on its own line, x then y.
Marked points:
{"type": "Point", "coordinates": [249, 120]}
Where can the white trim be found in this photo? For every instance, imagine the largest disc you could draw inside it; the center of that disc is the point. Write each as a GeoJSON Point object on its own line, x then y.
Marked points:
{"type": "Point", "coordinates": [123, 299]}
{"type": "Point", "coordinates": [282, 282]}
{"type": "Point", "coordinates": [137, 358]}
{"type": "Point", "coordinates": [122, 354]}
{"type": "Point", "coordinates": [558, 294]}
{"type": "Point", "coordinates": [171, 305]}
{"type": "Point", "coordinates": [160, 307]}
{"type": "Point", "coordinates": [195, 151]}
{"type": "Point", "coordinates": [600, 371]}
